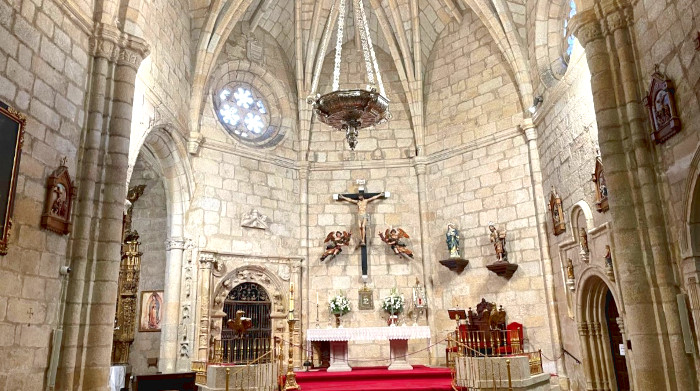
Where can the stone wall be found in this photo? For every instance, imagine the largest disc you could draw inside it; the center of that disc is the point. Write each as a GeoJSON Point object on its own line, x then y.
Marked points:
{"type": "Point", "coordinates": [669, 30]}
{"type": "Point", "coordinates": [567, 144]}
{"type": "Point", "coordinates": [43, 61]}
{"type": "Point", "coordinates": [469, 93]}
{"type": "Point", "coordinates": [150, 220]}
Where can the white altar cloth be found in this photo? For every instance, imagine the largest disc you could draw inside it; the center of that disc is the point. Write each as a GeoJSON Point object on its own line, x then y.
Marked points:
{"type": "Point", "coordinates": [368, 333]}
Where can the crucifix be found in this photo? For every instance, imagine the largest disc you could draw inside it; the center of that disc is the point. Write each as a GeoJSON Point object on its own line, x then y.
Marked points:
{"type": "Point", "coordinates": [361, 199]}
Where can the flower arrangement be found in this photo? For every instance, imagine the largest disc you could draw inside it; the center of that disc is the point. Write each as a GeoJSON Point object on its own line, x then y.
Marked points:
{"type": "Point", "coordinates": [339, 304]}
{"type": "Point", "coordinates": [394, 303]}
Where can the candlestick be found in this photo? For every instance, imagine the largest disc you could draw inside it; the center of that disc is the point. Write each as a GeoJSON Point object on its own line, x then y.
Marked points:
{"type": "Point", "coordinates": [291, 297]}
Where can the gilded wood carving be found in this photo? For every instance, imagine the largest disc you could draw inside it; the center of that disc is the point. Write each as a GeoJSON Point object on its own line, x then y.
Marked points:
{"type": "Point", "coordinates": [11, 139]}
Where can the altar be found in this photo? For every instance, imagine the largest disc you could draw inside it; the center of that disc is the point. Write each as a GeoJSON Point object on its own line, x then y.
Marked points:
{"type": "Point", "coordinates": [398, 343]}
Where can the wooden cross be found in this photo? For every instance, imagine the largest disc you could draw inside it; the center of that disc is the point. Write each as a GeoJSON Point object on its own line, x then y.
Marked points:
{"type": "Point", "coordinates": [361, 199]}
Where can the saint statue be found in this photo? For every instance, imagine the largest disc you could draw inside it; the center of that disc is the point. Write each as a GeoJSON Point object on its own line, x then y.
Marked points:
{"type": "Point", "coordinates": [452, 240]}
{"type": "Point", "coordinates": [498, 238]}
{"type": "Point", "coordinates": [570, 269]}
{"type": "Point", "coordinates": [583, 236]}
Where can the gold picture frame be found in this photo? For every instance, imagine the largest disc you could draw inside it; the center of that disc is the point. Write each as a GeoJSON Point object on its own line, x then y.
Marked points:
{"type": "Point", "coordinates": [151, 314]}
{"type": "Point", "coordinates": [11, 139]}
{"type": "Point", "coordinates": [365, 299]}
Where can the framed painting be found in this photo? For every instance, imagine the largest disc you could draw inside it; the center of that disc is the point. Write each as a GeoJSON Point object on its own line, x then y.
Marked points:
{"type": "Point", "coordinates": [151, 316]}
{"type": "Point", "coordinates": [365, 300]}
{"type": "Point", "coordinates": [11, 138]}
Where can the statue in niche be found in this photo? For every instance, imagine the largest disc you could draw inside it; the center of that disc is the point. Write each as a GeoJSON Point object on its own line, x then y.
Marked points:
{"type": "Point", "coordinates": [59, 201]}
{"type": "Point", "coordinates": [334, 242]}
{"type": "Point", "coordinates": [498, 238]}
{"type": "Point", "coordinates": [608, 263]}
{"type": "Point", "coordinates": [255, 219]}
{"type": "Point", "coordinates": [393, 237]}
{"type": "Point", "coordinates": [583, 241]}
{"type": "Point", "coordinates": [452, 240]}
{"type": "Point", "coordinates": [555, 208]}
{"type": "Point", "coordinates": [570, 269]}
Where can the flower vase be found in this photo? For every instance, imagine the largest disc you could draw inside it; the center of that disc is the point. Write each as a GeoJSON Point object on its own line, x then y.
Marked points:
{"type": "Point", "coordinates": [393, 319]}
{"type": "Point", "coordinates": [337, 321]}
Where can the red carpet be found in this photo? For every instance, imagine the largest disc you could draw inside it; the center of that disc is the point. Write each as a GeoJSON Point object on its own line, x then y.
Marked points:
{"type": "Point", "coordinates": [377, 379]}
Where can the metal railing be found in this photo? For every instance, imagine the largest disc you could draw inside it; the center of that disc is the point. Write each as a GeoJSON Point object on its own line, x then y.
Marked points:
{"type": "Point", "coordinates": [261, 374]}
{"type": "Point", "coordinates": [473, 370]}
{"type": "Point", "coordinates": [242, 350]}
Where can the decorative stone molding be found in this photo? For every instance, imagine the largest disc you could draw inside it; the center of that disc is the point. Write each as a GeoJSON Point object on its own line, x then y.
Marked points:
{"type": "Point", "coordinates": [583, 329]}
{"type": "Point", "coordinates": [586, 27]}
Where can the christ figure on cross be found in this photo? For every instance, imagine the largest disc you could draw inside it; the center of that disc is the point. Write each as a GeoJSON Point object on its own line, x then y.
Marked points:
{"type": "Point", "coordinates": [361, 202]}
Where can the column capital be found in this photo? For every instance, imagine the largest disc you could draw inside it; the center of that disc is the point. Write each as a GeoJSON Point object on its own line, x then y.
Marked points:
{"type": "Point", "coordinates": [586, 27]}
{"type": "Point", "coordinates": [175, 244]}
{"type": "Point", "coordinates": [601, 21]}
{"type": "Point", "coordinates": [110, 43]}
{"type": "Point", "coordinates": [529, 130]}
{"type": "Point", "coordinates": [206, 260]}
{"type": "Point", "coordinates": [420, 164]}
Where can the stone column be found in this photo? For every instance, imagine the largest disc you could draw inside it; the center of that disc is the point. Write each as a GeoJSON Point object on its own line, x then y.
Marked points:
{"type": "Point", "coordinates": [538, 198]}
{"type": "Point", "coordinates": [203, 312]}
{"type": "Point", "coordinates": [426, 255]}
{"type": "Point", "coordinates": [587, 359]}
{"type": "Point", "coordinates": [642, 254]}
{"type": "Point", "coordinates": [95, 249]}
{"type": "Point", "coordinates": [174, 248]}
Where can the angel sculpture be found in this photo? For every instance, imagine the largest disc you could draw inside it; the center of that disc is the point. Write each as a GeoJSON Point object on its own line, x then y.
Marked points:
{"type": "Point", "coordinates": [393, 237]}
{"type": "Point", "coordinates": [334, 242]}
{"type": "Point", "coordinates": [240, 324]}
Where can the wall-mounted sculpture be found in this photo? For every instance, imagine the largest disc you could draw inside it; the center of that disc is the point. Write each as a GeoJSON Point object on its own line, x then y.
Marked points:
{"type": "Point", "coordinates": [601, 188]}
{"type": "Point", "coordinates": [455, 262]}
{"type": "Point", "coordinates": [660, 102]}
{"type": "Point", "coordinates": [255, 219]}
{"type": "Point", "coordinates": [557, 212]}
{"type": "Point", "coordinates": [60, 193]}
{"type": "Point", "coordinates": [393, 237]}
{"type": "Point", "coordinates": [334, 243]}
{"type": "Point", "coordinates": [608, 264]}
{"type": "Point", "coordinates": [501, 267]}
{"type": "Point", "coordinates": [583, 243]}
{"type": "Point", "coordinates": [570, 277]}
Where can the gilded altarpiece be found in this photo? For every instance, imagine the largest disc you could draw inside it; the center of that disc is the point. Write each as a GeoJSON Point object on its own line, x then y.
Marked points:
{"type": "Point", "coordinates": [124, 323]}
{"type": "Point", "coordinates": [218, 274]}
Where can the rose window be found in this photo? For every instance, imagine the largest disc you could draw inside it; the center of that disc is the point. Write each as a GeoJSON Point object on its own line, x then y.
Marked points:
{"type": "Point", "coordinates": [243, 112]}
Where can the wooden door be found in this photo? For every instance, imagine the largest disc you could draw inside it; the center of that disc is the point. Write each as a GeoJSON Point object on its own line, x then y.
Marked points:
{"type": "Point", "coordinates": [616, 341]}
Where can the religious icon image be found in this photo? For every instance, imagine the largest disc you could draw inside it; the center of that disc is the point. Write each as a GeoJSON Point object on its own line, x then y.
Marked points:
{"type": "Point", "coordinates": [363, 216]}
{"type": "Point", "coordinates": [393, 237]}
{"type": "Point", "coordinates": [365, 298]}
{"type": "Point", "coordinates": [151, 311]}
{"type": "Point", "coordinates": [498, 238]}
{"type": "Point", "coordinates": [555, 208]}
{"type": "Point", "coordinates": [660, 102]}
{"type": "Point", "coordinates": [59, 200]}
{"type": "Point", "coordinates": [255, 219]}
{"type": "Point", "coordinates": [334, 242]}
{"type": "Point", "coordinates": [452, 240]}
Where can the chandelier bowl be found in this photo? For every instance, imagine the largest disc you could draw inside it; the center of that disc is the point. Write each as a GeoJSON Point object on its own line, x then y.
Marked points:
{"type": "Point", "coordinates": [356, 108]}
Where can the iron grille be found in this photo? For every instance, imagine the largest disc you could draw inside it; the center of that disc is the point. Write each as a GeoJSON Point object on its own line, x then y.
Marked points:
{"type": "Point", "coordinates": [254, 301]}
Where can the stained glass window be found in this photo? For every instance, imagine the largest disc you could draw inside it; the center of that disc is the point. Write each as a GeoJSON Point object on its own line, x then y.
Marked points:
{"type": "Point", "coordinates": [568, 36]}
{"type": "Point", "coordinates": [242, 111]}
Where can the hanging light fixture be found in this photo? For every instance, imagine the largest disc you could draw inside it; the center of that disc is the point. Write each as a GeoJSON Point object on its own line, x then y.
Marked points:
{"type": "Point", "coordinates": [351, 110]}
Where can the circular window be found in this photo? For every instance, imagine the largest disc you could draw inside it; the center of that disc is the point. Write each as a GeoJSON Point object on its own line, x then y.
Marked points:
{"type": "Point", "coordinates": [243, 112]}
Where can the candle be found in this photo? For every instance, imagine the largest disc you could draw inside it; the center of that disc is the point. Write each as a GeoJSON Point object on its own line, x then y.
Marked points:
{"type": "Point", "coordinates": [316, 298]}
{"type": "Point", "coordinates": [291, 297]}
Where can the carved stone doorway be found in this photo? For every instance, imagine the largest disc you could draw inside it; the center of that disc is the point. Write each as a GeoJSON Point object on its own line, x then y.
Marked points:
{"type": "Point", "coordinates": [254, 301]}
{"type": "Point", "coordinates": [617, 343]}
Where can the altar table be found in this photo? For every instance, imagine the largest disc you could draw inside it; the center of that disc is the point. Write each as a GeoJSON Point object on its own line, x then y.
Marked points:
{"type": "Point", "coordinates": [398, 342]}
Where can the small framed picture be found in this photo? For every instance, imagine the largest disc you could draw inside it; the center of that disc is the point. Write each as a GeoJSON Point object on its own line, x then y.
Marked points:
{"type": "Point", "coordinates": [151, 311]}
{"type": "Point", "coordinates": [365, 300]}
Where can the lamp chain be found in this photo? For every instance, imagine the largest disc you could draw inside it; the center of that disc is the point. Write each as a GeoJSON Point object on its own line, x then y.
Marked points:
{"type": "Point", "coordinates": [324, 47]}
{"type": "Point", "coordinates": [365, 25]}
{"type": "Point", "coordinates": [360, 25]}
{"type": "Point", "coordinates": [339, 46]}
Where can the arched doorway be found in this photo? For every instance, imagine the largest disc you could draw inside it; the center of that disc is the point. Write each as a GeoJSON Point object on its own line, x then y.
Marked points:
{"type": "Point", "coordinates": [601, 332]}
{"type": "Point", "coordinates": [617, 343]}
{"type": "Point", "coordinates": [254, 301]}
